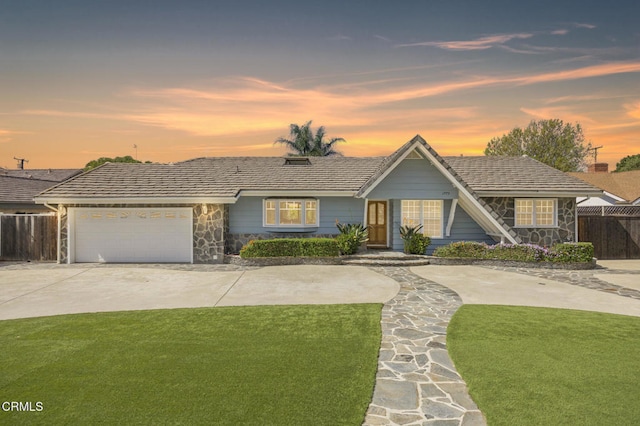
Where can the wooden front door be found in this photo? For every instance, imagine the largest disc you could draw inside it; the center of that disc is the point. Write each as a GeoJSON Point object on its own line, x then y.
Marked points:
{"type": "Point", "coordinates": [377, 221]}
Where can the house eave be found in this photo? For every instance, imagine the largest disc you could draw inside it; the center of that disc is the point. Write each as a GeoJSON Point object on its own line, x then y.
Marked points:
{"type": "Point", "coordinates": [294, 193]}
{"type": "Point", "coordinates": [539, 194]}
{"type": "Point", "coordinates": [135, 200]}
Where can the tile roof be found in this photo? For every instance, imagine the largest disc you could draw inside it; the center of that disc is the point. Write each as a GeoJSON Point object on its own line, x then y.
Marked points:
{"type": "Point", "coordinates": [218, 177]}
{"type": "Point", "coordinates": [515, 174]}
{"type": "Point", "coordinates": [625, 185]}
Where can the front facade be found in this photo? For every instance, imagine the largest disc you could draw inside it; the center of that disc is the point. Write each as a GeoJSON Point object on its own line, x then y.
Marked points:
{"type": "Point", "coordinates": [199, 210]}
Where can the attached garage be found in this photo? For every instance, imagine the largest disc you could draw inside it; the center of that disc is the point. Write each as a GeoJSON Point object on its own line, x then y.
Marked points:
{"type": "Point", "coordinates": [133, 235]}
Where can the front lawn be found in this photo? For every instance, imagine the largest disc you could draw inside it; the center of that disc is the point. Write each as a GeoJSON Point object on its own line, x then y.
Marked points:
{"type": "Point", "coordinates": [242, 365]}
{"type": "Point", "coordinates": [539, 366]}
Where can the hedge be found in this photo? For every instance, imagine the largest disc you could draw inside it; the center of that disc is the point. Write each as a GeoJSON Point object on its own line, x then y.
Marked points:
{"type": "Point", "coordinates": [292, 247]}
{"type": "Point", "coordinates": [560, 253]}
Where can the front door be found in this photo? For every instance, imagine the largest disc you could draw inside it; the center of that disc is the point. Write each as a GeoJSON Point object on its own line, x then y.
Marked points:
{"type": "Point", "coordinates": [377, 221]}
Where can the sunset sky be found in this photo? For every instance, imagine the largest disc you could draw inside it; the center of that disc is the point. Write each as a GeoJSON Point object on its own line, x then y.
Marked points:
{"type": "Point", "coordinates": [182, 79]}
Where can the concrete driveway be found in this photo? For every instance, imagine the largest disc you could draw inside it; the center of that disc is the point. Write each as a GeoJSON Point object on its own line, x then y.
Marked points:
{"type": "Point", "coordinates": [478, 285]}
{"type": "Point", "coordinates": [47, 289]}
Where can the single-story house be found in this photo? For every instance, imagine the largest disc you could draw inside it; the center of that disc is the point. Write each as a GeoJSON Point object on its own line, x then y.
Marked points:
{"type": "Point", "coordinates": [198, 210]}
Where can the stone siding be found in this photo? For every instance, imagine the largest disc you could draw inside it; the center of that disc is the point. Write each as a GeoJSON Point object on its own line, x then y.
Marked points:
{"type": "Point", "coordinates": [235, 242]}
{"type": "Point", "coordinates": [208, 232]}
{"type": "Point", "coordinates": [63, 243]}
{"type": "Point", "coordinates": [546, 237]}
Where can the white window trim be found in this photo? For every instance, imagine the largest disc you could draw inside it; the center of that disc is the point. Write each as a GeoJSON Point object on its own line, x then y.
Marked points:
{"type": "Point", "coordinates": [535, 221]}
{"type": "Point", "coordinates": [438, 237]}
{"type": "Point", "coordinates": [303, 213]}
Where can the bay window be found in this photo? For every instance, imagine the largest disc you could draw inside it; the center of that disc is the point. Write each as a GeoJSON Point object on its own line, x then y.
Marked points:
{"type": "Point", "coordinates": [290, 213]}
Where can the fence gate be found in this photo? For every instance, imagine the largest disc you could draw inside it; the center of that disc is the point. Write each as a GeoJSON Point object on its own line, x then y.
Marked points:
{"type": "Point", "coordinates": [28, 236]}
{"type": "Point", "coordinates": [613, 237]}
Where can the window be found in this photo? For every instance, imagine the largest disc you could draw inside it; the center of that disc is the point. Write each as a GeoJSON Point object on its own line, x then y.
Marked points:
{"type": "Point", "coordinates": [535, 212]}
{"type": "Point", "coordinates": [427, 213]}
{"type": "Point", "coordinates": [290, 213]}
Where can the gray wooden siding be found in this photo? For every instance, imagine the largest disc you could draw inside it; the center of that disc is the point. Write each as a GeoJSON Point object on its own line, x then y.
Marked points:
{"type": "Point", "coordinates": [245, 216]}
{"type": "Point", "coordinates": [464, 228]}
{"type": "Point", "coordinates": [414, 180]}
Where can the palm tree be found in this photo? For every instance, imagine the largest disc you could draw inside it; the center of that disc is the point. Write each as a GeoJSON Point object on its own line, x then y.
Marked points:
{"type": "Point", "coordinates": [304, 143]}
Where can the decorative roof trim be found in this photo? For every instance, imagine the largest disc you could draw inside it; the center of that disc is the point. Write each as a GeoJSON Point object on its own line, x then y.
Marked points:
{"type": "Point", "coordinates": [294, 193]}
{"type": "Point", "coordinates": [536, 194]}
{"type": "Point", "coordinates": [136, 200]}
{"type": "Point", "coordinates": [468, 198]}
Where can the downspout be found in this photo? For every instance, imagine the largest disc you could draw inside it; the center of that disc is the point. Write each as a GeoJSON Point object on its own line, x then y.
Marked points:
{"type": "Point", "coordinates": [58, 239]}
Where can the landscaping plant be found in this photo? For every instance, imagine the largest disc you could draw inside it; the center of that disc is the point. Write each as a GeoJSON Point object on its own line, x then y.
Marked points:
{"type": "Point", "coordinates": [291, 247]}
{"type": "Point", "coordinates": [352, 236]}
{"type": "Point", "coordinates": [560, 253]}
{"type": "Point", "coordinates": [414, 241]}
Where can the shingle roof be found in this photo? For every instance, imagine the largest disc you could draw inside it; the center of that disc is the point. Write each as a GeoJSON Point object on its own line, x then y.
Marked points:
{"type": "Point", "coordinates": [51, 175]}
{"type": "Point", "coordinates": [625, 185]}
{"type": "Point", "coordinates": [20, 186]}
{"type": "Point", "coordinates": [218, 177]}
{"type": "Point", "coordinates": [227, 176]}
{"type": "Point", "coordinates": [20, 190]}
{"type": "Point", "coordinates": [515, 174]}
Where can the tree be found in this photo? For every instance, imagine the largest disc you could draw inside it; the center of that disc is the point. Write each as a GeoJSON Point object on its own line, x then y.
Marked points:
{"type": "Point", "coordinates": [304, 143]}
{"type": "Point", "coordinates": [630, 162]}
{"type": "Point", "coordinates": [551, 142]}
{"type": "Point", "coordinates": [100, 161]}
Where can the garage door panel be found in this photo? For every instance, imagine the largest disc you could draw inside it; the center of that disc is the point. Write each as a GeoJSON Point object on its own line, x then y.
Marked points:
{"type": "Point", "coordinates": [133, 235]}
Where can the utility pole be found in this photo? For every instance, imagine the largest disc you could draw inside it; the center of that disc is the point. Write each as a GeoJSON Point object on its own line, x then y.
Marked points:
{"type": "Point", "coordinates": [595, 152]}
{"type": "Point", "coordinates": [136, 148]}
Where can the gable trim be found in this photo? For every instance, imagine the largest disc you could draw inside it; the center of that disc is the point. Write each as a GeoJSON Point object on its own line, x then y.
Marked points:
{"type": "Point", "coordinates": [466, 197]}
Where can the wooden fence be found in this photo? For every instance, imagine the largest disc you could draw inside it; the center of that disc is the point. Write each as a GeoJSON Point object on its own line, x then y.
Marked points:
{"type": "Point", "coordinates": [28, 237]}
{"type": "Point", "coordinates": [613, 237]}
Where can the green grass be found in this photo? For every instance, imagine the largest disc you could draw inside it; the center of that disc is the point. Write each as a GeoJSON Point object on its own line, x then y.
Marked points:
{"type": "Point", "coordinates": [244, 365]}
{"type": "Point", "coordinates": [538, 366]}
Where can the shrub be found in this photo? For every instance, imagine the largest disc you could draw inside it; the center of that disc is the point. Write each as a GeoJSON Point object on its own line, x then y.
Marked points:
{"type": "Point", "coordinates": [351, 237]}
{"type": "Point", "coordinates": [573, 252]}
{"type": "Point", "coordinates": [414, 241]}
{"type": "Point", "coordinates": [293, 247]}
{"type": "Point", "coordinates": [565, 252]}
{"type": "Point", "coordinates": [464, 249]}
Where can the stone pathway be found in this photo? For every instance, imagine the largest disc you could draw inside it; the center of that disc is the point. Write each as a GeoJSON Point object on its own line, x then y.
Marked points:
{"type": "Point", "coordinates": [416, 383]}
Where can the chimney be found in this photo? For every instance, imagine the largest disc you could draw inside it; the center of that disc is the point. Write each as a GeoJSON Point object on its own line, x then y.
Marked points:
{"type": "Point", "coordinates": [598, 168]}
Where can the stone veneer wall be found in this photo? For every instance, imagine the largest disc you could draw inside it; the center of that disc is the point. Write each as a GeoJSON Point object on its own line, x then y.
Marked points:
{"type": "Point", "coordinates": [209, 232]}
{"type": "Point", "coordinates": [234, 242]}
{"type": "Point", "coordinates": [564, 232]}
{"type": "Point", "coordinates": [64, 232]}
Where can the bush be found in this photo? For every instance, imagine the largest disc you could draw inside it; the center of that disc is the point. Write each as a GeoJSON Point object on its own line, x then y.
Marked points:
{"type": "Point", "coordinates": [291, 247]}
{"type": "Point", "coordinates": [565, 252]}
{"type": "Point", "coordinates": [573, 252]}
{"type": "Point", "coordinates": [465, 249]}
{"type": "Point", "coordinates": [414, 241]}
{"type": "Point", "coordinates": [351, 237]}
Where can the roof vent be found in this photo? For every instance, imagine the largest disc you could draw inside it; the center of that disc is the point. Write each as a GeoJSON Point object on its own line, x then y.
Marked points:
{"type": "Point", "coordinates": [297, 161]}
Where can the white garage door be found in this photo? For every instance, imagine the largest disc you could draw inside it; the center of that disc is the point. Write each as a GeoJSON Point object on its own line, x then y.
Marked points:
{"type": "Point", "coordinates": [131, 234]}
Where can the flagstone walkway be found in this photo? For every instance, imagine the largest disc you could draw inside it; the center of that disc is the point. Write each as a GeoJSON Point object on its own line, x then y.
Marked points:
{"type": "Point", "coordinates": [416, 383]}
